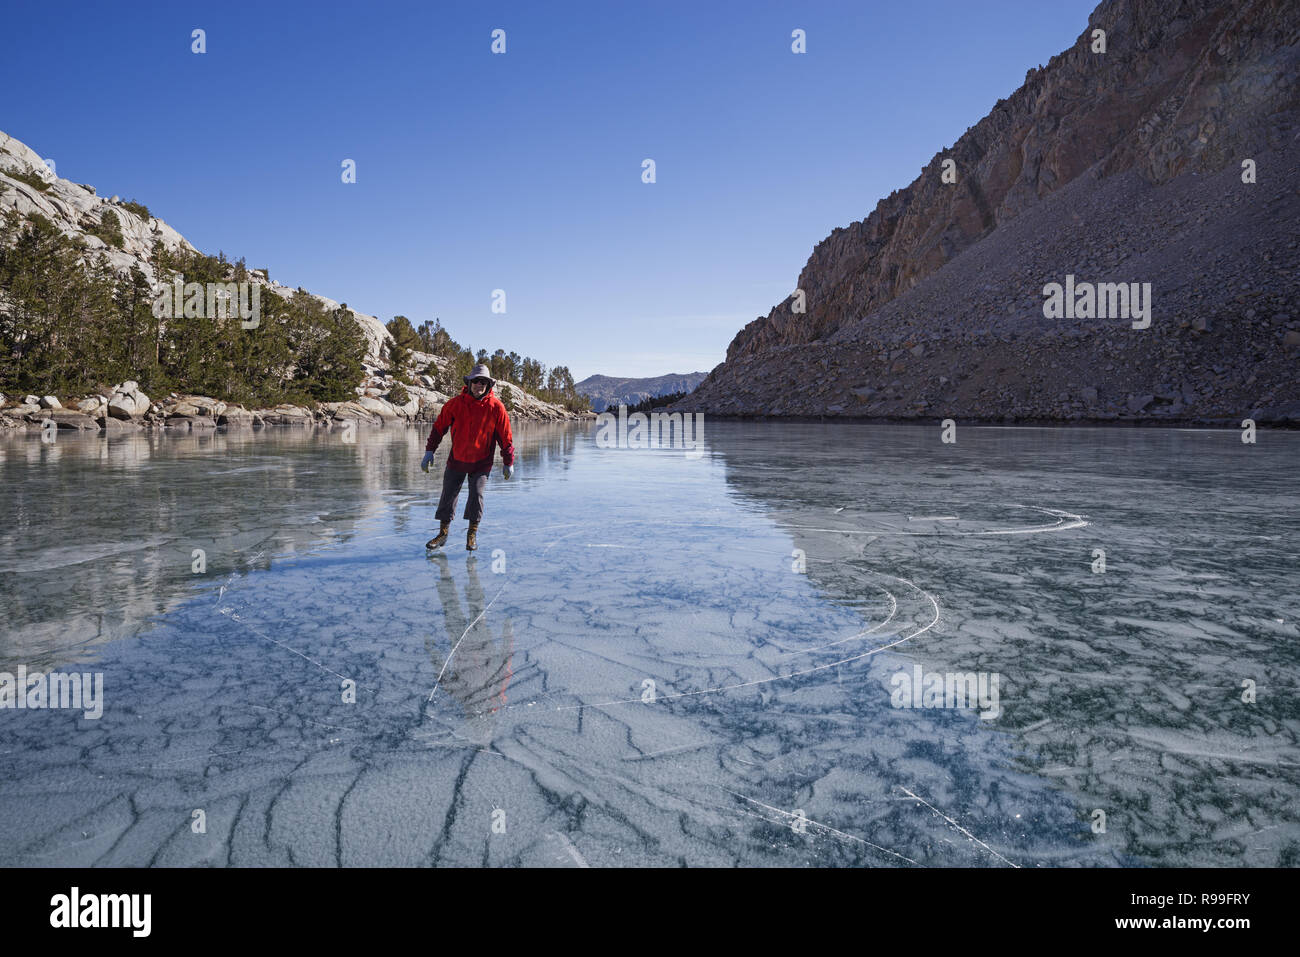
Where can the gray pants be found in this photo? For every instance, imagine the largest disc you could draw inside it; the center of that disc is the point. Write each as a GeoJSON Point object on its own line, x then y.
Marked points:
{"type": "Point", "coordinates": [451, 483]}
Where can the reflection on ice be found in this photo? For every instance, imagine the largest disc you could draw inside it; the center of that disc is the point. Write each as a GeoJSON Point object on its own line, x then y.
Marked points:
{"type": "Point", "coordinates": [654, 659]}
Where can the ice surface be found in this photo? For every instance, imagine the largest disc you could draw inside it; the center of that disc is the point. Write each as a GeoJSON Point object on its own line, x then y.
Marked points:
{"type": "Point", "coordinates": [503, 714]}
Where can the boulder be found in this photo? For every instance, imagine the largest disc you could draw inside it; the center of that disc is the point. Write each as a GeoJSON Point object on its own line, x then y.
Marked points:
{"type": "Point", "coordinates": [91, 404]}
{"type": "Point", "coordinates": [195, 405]}
{"type": "Point", "coordinates": [232, 417]}
{"type": "Point", "coordinates": [50, 402]}
{"type": "Point", "coordinates": [287, 415]}
{"type": "Point", "coordinates": [110, 425]}
{"type": "Point", "coordinates": [353, 410]}
{"type": "Point", "coordinates": [66, 419]}
{"type": "Point", "coordinates": [1167, 393]}
{"type": "Point", "coordinates": [379, 407]}
{"type": "Point", "coordinates": [127, 401]}
{"type": "Point", "coordinates": [190, 422]}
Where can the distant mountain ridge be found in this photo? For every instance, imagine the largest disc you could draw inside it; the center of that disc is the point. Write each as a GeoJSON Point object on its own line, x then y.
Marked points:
{"type": "Point", "coordinates": [606, 391]}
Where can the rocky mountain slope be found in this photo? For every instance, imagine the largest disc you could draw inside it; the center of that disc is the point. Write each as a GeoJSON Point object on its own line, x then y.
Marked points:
{"type": "Point", "coordinates": [605, 391]}
{"type": "Point", "coordinates": [1116, 166]}
{"type": "Point", "coordinates": [28, 186]}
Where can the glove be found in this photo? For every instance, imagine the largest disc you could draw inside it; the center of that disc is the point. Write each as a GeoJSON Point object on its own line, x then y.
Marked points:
{"type": "Point", "coordinates": [426, 461]}
{"type": "Point", "coordinates": [507, 471]}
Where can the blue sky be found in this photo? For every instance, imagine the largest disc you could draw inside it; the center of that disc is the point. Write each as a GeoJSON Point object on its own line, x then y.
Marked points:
{"type": "Point", "coordinates": [520, 171]}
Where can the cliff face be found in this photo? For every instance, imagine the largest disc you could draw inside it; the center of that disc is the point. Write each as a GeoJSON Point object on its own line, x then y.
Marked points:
{"type": "Point", "coordinates": [1184, 87]}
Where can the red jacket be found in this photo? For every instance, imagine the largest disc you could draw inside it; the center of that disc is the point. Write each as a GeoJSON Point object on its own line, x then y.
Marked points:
{"type": "Point", "coordinates": [477, 426]}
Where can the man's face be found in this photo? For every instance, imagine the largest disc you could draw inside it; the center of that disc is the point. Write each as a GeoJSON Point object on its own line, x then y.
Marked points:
{"type": "Point", "coordinates": [478, 387]}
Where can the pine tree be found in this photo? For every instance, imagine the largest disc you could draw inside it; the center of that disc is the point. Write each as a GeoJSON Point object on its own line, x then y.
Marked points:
{"type": "Point", "coordinates": [404, 341]}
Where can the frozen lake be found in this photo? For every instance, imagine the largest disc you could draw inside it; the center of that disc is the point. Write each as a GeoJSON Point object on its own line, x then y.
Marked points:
{"type": "Point", "coordinates": [654, 658]}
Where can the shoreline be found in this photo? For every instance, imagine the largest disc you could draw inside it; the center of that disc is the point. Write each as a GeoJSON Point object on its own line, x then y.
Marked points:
{"type": "Point", "coordinates": [176, 413]}
{"type": "Point", "coordinates": [1231, 424]}
{"type": "Point", "coordinates": [32, 423]}
{"type": "Point", "coordinates": [35, 425]}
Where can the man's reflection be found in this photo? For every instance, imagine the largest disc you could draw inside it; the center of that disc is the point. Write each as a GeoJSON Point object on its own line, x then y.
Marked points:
{"type": "Point", "coordinates": [476, 668]}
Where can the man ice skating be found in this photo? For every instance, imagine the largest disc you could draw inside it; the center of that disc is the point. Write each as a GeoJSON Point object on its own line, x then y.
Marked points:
{"type": "Point", "coordinates": [479, 423]}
